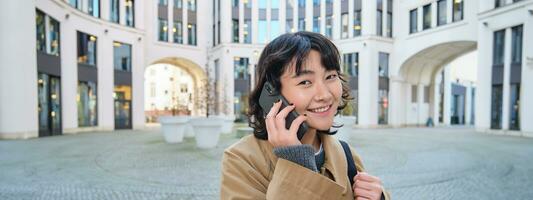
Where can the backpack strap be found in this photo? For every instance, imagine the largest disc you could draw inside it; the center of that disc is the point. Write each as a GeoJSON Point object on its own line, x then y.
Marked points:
{"type": "Point", "coordinates": [352, 171]}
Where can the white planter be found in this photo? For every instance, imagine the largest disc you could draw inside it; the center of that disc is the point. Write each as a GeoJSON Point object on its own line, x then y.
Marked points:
{"type": "Point", "coordinates": [345, 131]}
{"type": "Point", "coordinates": [227, 124]}
{"type": "Point", "coordinates": [207, 131]}
{"type": "Point", "coordinates": [173, 128]}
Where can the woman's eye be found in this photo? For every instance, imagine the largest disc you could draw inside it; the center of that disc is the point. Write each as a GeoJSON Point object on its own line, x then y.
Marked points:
{"type": "Point", "coordinates": [332, 76]}
{"type": "Point", "coordinates": [304, 83]}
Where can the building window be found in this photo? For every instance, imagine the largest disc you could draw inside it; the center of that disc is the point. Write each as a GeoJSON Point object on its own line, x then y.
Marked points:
{"type": "Point", "coordinates": [498, 49]}
{"type": "Point", "coordinates": [499, 3]}
{"type": "Point", "coordinates": [301, 15]}
{"type": "Point", "coordinates": [426, 16]}
{"type": "Point", "coordinates": [114, 14]}
{"type": "Point", "coordinates": [316, 24]}
{"type": "Point", "coordinates": [130, 13]}
{"type": "Point", "coordinates": [94, 8]}
{"type": "Point", "coordinates": [86, 49]}
{"type": "Point", "coordinates": [47, 33]}
{"type": "Point", "coordinates": [289, 10]}
{"type": "Point", "coordinates": [357, 18]}
{"type": "Point", "coordinates": [441, 12]}
{"type": "Point", "coordinates": [191, 5]}
{"type": "Point", "coordinates": [76, 4]}
{"type": "Point", "coordinates": [241, 68]}
{"type": "Point", "coordinates": [235, 30]}
{"type": "Point", "coordinates": [496, 108]}
{"type": "Point", "coordinates": [122, 56]}
{"type": "Point", "coordinates": [379, 18]}
{"type": "Point", "coordinates": [426, 94]}
{"type": "Point", "coordinates": [163, 28]}
{"type": "Point", "coordinates": [316, 16]}
{"type": "Point", "coordinates": [413, 21]}
{"type": "Point", "coordinates": [389, 18]}
{"type": "Point", "coordinates": [86, 100]}
{"type": "Point", "coordinates": [261, 31]}
{"type": "Point", "coordinates": [344, 25]}
{"type": "Point", "coordinates": [383, 64]}
{"type": "Point", "coordinates": [329, 26]}
{"type": "Point", "coordinates": [247, 31]}
{"type": "Point", "coordinates": [516, 45]}
{"type": "Point", "coordinates": [262, 4]}
{"type": "Point", "coordinates": [178, 4]}
{"type": "Point", "coordinates": [178, 32]}
{"type": "Point", "coordinates": [350, 64]}
{"type": "Point", "coordinates": [458, 10]}
{"type": "Point", "coordinates": [191, 28]}
{"type": "Point", "coordinates": [383, 108]}
{"type": "Point", "coordinates": [41, 30]}
{"type": "Point", "coordinates": [163, 2]}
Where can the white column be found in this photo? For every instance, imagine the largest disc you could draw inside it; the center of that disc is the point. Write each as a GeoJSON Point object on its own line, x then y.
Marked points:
{"type": "Point", "coordinates": [447, 95]}
{"type": "Point", "coordinates": [436, 98]}
{"type": "Point", "coordinates": [336, 25]}
{"type": "Point", "coordinates": [526, 107]}
{"type": "Point", "coordinates": [506, 79]}
{"type": "Point", "coordinates": [322, 20]}
{"type": "Point", "coordinates": [268, 18]}
{"type": "Point", "coordinates": [368, 95]}
{"type": "Point", "coordinates": [69, 76]}
{"type": "Point", "coordinates": [468, 105]}
{"type": "Point", "coordinates": [397, 99]}
{"type": "Point", "coordinates": [105, 9]}
{"type": "Point", "coordinates": [419, 104]}
{"type": "Point", "coordinates": [105, 84]}
{"type": "Point", "coordinates": [434, 14]}
{"type": "Point", "coordinates": [225, 21]}
{"type": "Point", "coordinates": [139, 11]}
{"type": "Point", "coordinates": [122, 11]}
{"type": "Point", "coordinates": [368, 16]}
{"type": "Point", "coordinates": [449, 11]}
{"type": "Point", "coordinates": [350, 19]}
{"type": "Point", "coordinates": [18, 70]}
{"type": "Point", "coordinates": [484, 74]}
{"type": "Point", "coordinates": [171, 21]}
{"type": "Point", "coordinates": [255, 21]}
{"type": "Point", "coordinates": [309, 15]}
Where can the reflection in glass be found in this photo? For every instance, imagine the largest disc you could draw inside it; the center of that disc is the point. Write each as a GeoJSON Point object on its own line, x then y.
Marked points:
{"type": "Point", "coordinates": [49, 104]}
{"type": "Point", "coordinates": [241, 68]}
{"type": "Point", "coordinates": [86, 99]}
{"type": "Point", "coordinates": [178, 32]}
{"type": "Point", "coordinates": [383, 112]}
{"type": "Point", "coordinates": [122, 96]}
{"type": "Point", "coordinates": [192, 34]}
{"type": "Point", "coordinates": [426, 17]}
{"type": "Point", "coordinates": [86, 49]}
{"type": "Point", "coordinates": [457, 10]}
{"type": "Point", "coordinates": [54, 36]}
{"type": "Point", "coordinates": [130, 13]}
{"type": "Point", "coordinates": [94, 8]}
{"type": "Point", "coordinates": [163, 30]}
{"type": "Point", "coordinates": [114, 13]}
{"type": "Point", "coordinates": [122, 56]}
{"type": "Point", "coordinates": [41, 31]}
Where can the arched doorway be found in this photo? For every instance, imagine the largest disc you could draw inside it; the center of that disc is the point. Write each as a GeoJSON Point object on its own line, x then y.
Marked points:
{"type": "Point", "coordinates": [433, 88]}
{"type": "Point", "coordinates": [171, 88]}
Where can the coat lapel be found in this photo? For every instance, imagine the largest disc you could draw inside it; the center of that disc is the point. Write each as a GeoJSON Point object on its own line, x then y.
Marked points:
{"type": "Point", "coordinates": [335, 160]}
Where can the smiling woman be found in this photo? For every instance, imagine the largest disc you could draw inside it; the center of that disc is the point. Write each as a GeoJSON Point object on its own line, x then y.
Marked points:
{"type": "Point", "coordinates": [304, 67]}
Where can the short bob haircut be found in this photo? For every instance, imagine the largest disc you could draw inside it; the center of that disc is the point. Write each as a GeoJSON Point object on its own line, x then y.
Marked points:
{"type": "Point", "coordinates": [278, 56]}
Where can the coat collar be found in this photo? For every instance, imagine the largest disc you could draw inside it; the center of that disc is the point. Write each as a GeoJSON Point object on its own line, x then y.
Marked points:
{"type": "Point", "coordinates": [335, 160]}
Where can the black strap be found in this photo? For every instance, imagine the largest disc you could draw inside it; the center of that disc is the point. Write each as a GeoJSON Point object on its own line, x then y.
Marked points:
{"type": "Point", "coordinates": [352, 171]}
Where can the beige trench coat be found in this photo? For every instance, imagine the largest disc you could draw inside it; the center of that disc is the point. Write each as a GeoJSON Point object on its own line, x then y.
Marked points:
{"type": "Point", "coordinates": [250, 170]}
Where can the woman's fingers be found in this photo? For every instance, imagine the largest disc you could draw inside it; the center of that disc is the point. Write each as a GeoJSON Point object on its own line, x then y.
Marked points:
{"type": "Point", "coordinates": [280, 117]}
{"type": "Point", "coordinates": [293, 130]}
{"type": "Point", "coordinates": [270, 122]}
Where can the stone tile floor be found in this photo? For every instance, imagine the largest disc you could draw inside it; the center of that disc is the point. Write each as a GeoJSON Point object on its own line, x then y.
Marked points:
{"type": "Point", "coordinates": [413, 163]}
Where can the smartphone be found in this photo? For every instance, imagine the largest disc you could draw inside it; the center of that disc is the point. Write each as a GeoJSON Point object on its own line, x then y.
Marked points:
{"type": "Point", "coordinates": [269, 95]}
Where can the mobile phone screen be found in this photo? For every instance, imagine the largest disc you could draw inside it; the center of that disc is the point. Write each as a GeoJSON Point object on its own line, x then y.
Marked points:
{"type": "Point", "coordinates": [269, 95]}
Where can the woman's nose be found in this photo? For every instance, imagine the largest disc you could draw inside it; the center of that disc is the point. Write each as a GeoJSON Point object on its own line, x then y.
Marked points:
{"type": "Point", "coordinates": [322, 92]}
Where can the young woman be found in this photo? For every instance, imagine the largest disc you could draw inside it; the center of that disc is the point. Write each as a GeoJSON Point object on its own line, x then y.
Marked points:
{"type": "Point", "coordinates": [274, 163]}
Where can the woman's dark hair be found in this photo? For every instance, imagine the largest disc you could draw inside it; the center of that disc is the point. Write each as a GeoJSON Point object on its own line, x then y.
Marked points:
{"type": "Point", "coordinates": [277, 57]}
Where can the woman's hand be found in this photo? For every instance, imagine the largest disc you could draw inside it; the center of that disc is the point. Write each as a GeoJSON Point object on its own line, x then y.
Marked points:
{"type": "Point", "coordinates": [278, 135]}
{"type": "Point", "coordinates": [367, 186]}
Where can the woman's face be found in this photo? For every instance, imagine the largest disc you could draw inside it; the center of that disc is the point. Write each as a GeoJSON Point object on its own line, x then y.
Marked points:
{"type": "Point", "coordinates": [315, 92]}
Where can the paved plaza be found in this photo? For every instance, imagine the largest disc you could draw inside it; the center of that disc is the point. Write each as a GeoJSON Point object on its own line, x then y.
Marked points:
{"type": "Point", "coordinates": [413, 163]}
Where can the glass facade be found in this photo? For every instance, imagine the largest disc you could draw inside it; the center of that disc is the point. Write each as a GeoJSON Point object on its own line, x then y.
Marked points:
{"type": "Point", "coordinates": [53, 34]}
{"type": "Point", "coordinates": [178, 4]}
{"type": "Point", "coordinates": [457, 10]}
{"type": "Point", "coordinates": [114, 15]}
{"type": "Point", "coordinates": [86, 100]}
{"type": "Point", "coordinates": [122, 107]}
{"type": "Point", "coordinates": [191, 28]}
{"type": "Point", "coordinates": [389, 18]}
{"type": "Point", "coordinates": [383, 64]}
{"type": "Point", "coordinates": [86, 49]}
{"type": "Point", "coordinates": [130, 13]}
{"type": "Point", "coordinates": [379, 18]}
{"type": "Point", "coordinates": [351, 64]}
{"type": "Point", "coordinates": [344, 25]}
{"type": "Point", "coordinates": [383, 108]}
{"type": "Point", "coordinates": [316, 16]}
{"type": "Point", "coordinates": [499, 3]}
{"type": "Point", "coordinates": [289, 10]}
{"type": "Point", "coordinates": [426, 17]}
{"type": "Point", "coordinates": [261, 31]}
{"type": "Point", "coordinates": [441, 12]}
{"type": "Point", "coordinates": [47, 38]}
{"type": "Point", "coordinates": [235, 33]}
{"type": "Point", "coordinates": [191, 5]}
{"type": "Point", "coordinates": [122, 56]}
{"type": "Point", "coordinates": [497, 85]}
{"type": "Point", "coordinates": [274, 29]}
{"type": "Point", "coordinates": [94, 8]}
{"type": "Point", "coordinates": [163, 30]}
{"type": "Point", "coordinates": [357, 18]}
{"type": "Point", "coordinates": [242, 81]}
{"type": "Point", "coordinates": [41, 30]}
{"type": "Point", "coordinates": [301, 15]}
{"type": "Point", "coordinates": [383, 89]}
{"type": "Point", "coordinates": [178, 32]}
{"type": "Point", "coordinates": [247, 31]}
{"type": "Point", "coordinates": [516, 45]}
{"type": "Point", "coordinates": [516, 67]}
{"type": "Point", "coordinates": [49, 104]}
{"type": "Point", "coordinates": [413, 21]}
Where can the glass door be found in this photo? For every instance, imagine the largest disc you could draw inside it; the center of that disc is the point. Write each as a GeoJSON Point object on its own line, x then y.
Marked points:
{"type": "Point", "coordinates": [49, 105]}
{"type": "Point", "coordinates": [122, 98]}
